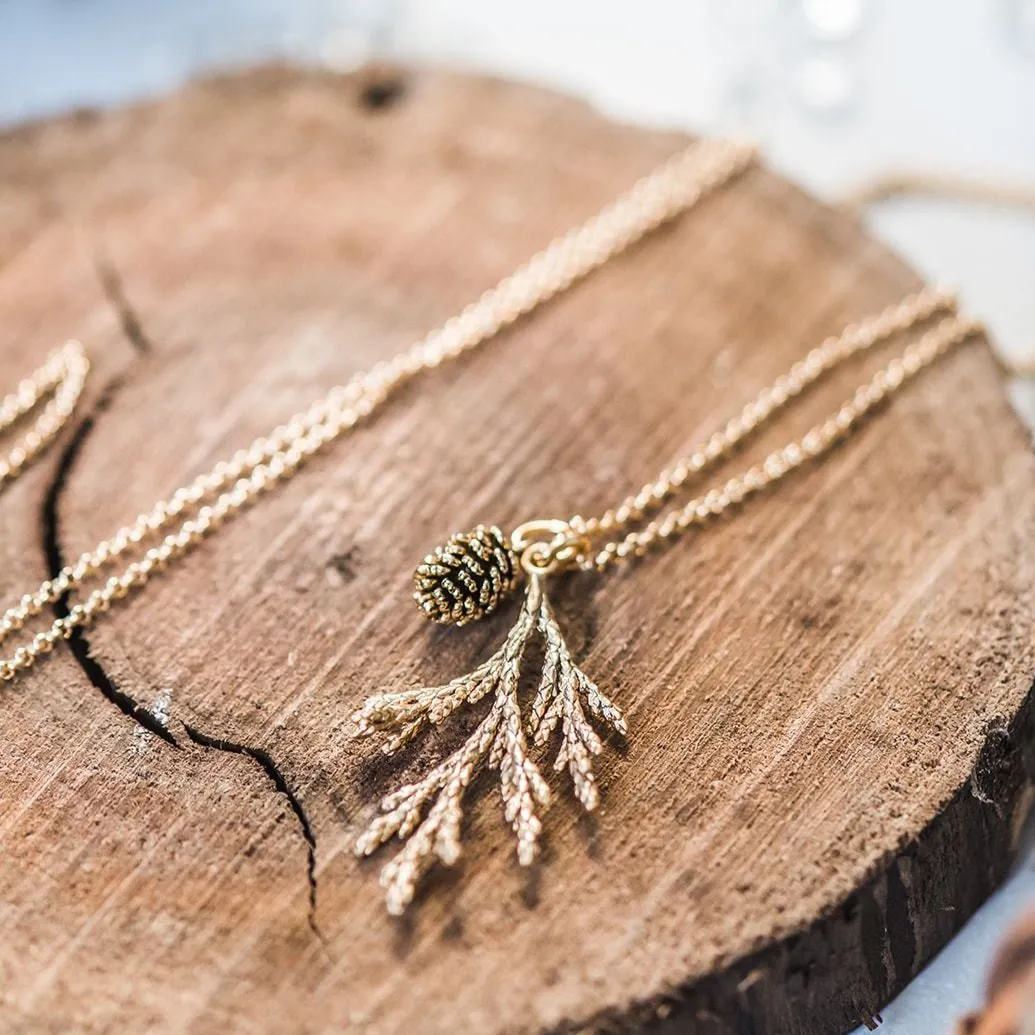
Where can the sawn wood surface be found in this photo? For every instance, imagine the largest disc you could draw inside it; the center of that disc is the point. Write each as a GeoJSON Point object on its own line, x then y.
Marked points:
{"type": "Point", "coordinates": [829, 693]}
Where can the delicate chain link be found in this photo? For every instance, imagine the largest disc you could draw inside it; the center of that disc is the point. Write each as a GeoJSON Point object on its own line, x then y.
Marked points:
{"type": "Point", "coordinates": [231, 485]}
{"type": "Point", "coordinates": [904, 182]}
{"type": "Point", "coordinates": [62, 376]}
{"type": "Point", "coordinates": [820, 439]}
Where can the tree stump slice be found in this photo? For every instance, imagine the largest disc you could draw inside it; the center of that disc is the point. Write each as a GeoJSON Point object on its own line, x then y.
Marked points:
{"type": "Point", "coordinates": [829, 694]}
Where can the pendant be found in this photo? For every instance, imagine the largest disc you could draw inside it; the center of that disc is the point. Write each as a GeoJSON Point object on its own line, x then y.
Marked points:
{"type": "Point", "coordinates": [460, 582]}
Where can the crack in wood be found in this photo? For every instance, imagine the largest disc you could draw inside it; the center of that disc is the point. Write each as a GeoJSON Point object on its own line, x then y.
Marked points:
{"type": "Point", "coordinates": [272, 770]}
{"type": "Point", "coordinates": [115, 293]}
{"type": "Point", "coordinates": [54, 554]}
{"type": "Point", "coordinates": [743, 917]}
{"type": "Point", "coordinates": [79, 644]}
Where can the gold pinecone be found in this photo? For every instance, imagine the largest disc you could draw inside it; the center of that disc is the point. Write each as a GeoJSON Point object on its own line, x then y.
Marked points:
{"type": "Point", "coordinates": [466, 578]}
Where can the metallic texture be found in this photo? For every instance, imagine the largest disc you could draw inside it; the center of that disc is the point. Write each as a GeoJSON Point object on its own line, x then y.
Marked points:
{"type": "Point", "coordinates": [547, 546]}
{"type": "Point", "coordinates": [427, 815]}
{"type": "Point", "coordinates": [197, 510]}
{"type": "Point", "coordinates": [467, 577]}
{"type": "Point", "coordinates": [607, 532]}
{"type": "Point", "coordinates": [62, 377]}
{"type": "Point", "coordinates": [499, 743]}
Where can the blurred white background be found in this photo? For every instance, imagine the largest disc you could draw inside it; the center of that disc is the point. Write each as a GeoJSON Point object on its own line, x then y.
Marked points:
{"type": "Point", "coordinates": [835, 91]}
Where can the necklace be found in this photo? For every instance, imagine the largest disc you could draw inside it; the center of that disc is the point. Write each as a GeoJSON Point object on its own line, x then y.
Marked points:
{"type": "Point", "coordinates": [473, 572]}
{"type": "Point", "coordinates": [231, 485]}
{"type": "Point", "coordinates": [894, 183]}
{"type": "Point", "coordinates": [62, 377]}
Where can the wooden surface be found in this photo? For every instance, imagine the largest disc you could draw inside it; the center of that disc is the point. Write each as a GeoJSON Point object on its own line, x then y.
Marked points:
{"type": "Point", "coordinates": [829, 695]}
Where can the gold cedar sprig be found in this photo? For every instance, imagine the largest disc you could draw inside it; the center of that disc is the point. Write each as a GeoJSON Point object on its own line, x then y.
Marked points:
{"type": "Point", "coordinates": [427, 815]}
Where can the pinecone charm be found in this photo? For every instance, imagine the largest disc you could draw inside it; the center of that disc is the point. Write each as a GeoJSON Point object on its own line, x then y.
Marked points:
{"type": "Point", "coordinates": [467, 577]}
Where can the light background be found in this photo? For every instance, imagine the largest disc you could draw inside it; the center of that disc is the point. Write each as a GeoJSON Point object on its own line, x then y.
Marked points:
{"type": "Point", "coordinates": [834, 90]}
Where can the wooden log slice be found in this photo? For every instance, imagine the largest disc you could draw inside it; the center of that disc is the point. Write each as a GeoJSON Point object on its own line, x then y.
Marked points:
{"type": "Point", "coordinates": [829, 694]}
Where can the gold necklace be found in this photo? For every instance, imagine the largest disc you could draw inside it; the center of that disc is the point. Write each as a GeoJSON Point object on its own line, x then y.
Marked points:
{"type": "Point", "coordinates": [62, 378]}
{"type": "Point", "coordinates": [231, 485]}
{"type": "Point", "coordinates": [473, 572]}
{"type": "Point", "coordinates": [895, 183]}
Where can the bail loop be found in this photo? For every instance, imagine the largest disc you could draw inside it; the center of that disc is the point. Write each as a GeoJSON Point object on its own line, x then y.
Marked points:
{"type": "Point", "coordinates": [548, 545]}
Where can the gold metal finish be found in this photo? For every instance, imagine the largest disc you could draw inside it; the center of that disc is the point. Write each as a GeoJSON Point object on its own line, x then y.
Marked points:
{"type": "Point", "coordinates": [902, 182]}
{"type": "Point", "coordinates": [198, 509]}
{"type": "Point", "coordinates": [949, 330]}
{"type": "Point", "coordinates": [976, 190]}
{"type": "Point", "coordinates": [499, 743]}
{"type": "Point", "coordinates": [427, 815]}
{"type": "Point", "coordinates": [550, 545]}
{"type": "Point", "coordinates": [62, 377]}
{"type": "Point", "coordinates": [466, 578]}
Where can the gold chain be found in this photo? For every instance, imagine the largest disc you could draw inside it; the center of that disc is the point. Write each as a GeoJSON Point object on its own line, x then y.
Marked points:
{"type": "Point", "coordinates": [904, 183]}
{"type": "Point", "coordinates": [231, 485]}
{"type": "Point", "coordinates": [900, 182]}
{"type": "Point", "coordinates": [465, 578]}
{"type": "Point", "coordinates": [856, 338]}
{"type": "Point", "coordinates": [62, 377]}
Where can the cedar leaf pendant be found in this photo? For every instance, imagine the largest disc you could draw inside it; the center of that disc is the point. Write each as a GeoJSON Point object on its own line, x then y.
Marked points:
{"type": "Point", "coordinates": [480, 567]}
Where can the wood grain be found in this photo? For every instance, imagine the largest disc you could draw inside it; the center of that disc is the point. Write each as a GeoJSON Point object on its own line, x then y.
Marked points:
{"type": "Point", "coordinates": [829, 694]}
